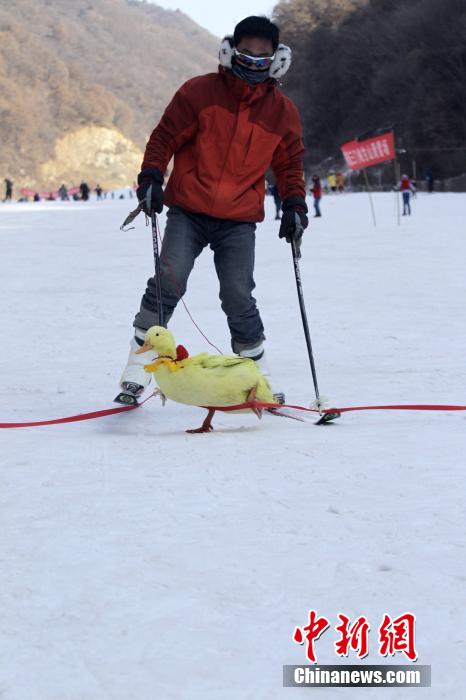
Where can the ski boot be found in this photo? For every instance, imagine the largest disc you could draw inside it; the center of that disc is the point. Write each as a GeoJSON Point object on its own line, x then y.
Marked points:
{"type": "Point", "coordinates": [258, 355]}
{"type": "Point", "coordinates": [135, 379]}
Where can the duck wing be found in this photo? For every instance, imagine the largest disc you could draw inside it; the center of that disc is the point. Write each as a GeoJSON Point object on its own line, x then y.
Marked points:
{"type": "Point", "coordinates": [221, 361]}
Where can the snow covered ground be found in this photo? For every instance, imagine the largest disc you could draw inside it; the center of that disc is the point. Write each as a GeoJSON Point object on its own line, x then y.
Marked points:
{"type": "Point", "coordinates": [140, 562]}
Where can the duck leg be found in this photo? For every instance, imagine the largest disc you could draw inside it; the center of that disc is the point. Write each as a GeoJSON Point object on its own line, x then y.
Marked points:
{"type": "Point", "coordinates": [206, 426]}
{"type": "Point", "coordinates": [251, 398]}
{"type": "Point", "coordinates": [158, 392]}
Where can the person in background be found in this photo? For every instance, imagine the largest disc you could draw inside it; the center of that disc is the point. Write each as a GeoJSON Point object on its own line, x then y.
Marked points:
{"type": "Point", "coordinates": [406, 188]}
{"type": "Point", "coordinates": [36, 197]}
{"type": "Point", "coordinates": [63, 193]}
{"type": "Point", "coordinates": [332, 181]}
{"type": "Point", "coordinates": [430, 181]}
{"type": "Point", "coordinates": [8, 190]}
{"type": "Point", "coordinates": [340, 182]}
{"type": "Point", "coordinates": [276, 198]}
{"type": "Point", "coordinates": [84, 190]}
{"type": "Point", "coordinates": [98, 191]}
{"type": "Point", "coordinates": [316, 191]}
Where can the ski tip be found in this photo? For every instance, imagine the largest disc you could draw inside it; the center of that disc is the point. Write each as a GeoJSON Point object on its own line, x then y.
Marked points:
{"type": "Point", "coordinates": [126, 399]}
{"type": "Point", "coordinates": [328, 417]}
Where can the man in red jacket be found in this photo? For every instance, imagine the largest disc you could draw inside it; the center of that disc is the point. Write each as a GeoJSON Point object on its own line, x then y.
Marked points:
{"type": "Point", "coordinates": [224, 130]}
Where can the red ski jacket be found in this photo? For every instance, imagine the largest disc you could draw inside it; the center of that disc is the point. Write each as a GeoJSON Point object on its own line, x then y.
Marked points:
{"type": "Point", "coordinates": [405, 184]}
{"type": "Point", "coordinates": [224, 135]}
{"type": "Point", "coordinates": [316, 190]}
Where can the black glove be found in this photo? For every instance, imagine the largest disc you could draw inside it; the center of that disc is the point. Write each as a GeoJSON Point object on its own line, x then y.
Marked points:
{"type": "Point", "coordinates": [294, 220]}
{"type": "Point", "coordinates": [150, 177]}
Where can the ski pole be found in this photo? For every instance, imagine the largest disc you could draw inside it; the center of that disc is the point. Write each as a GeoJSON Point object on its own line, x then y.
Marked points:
{"type": "Point", "coordinates": [295, 250]}
{"type": "Point", "coordinates": [155, 246]}
{"type": "Point", "coordinates": [296, 253]}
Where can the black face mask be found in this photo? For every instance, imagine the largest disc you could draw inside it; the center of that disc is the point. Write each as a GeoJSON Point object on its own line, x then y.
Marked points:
{"type": "Point", "coordinates": [251, 76]}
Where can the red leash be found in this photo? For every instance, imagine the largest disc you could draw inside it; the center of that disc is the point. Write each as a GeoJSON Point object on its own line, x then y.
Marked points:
{"type": "Point", "coordinates": [238, 407]}
{"type": "Point", "coordinates": [395, 407]}
{"type": "Point", "coordinates": [74, 419]}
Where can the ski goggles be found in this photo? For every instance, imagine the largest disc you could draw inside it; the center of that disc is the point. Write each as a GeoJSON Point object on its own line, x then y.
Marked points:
{"type": "Point", "coordinates": [253, 61]}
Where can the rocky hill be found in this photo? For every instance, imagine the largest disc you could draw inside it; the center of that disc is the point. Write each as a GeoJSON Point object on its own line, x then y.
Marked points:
{"type": "Point", "coordinates": [83, 83]}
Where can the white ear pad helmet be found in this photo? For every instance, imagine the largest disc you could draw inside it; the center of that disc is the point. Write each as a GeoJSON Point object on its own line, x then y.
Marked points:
{"type": "Point", "coordinates": [281, 62]}
{"type": "Point", "coordinates": [225, 52]}
{"type": "Point", "coordinates": [278, 68]}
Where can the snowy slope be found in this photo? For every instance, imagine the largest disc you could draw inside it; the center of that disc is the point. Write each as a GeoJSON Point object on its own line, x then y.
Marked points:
{"type": "Point", "coordinates": [140, 562]}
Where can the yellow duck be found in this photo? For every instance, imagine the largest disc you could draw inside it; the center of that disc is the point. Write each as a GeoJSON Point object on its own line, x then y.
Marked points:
{"type": "Point", "coordinates": [204, 380]}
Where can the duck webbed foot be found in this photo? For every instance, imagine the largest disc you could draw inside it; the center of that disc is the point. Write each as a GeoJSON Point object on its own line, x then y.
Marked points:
{"type": "Point", "coordinates": [251, 398]}
{"type": "Point", "coordinates": [207, 424]}
{"type": "Point", "coordinates": [157, 392]}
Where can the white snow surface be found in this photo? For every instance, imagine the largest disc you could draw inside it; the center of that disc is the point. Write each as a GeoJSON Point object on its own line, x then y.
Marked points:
{"type": "Point", "coordinates": [139, 562]}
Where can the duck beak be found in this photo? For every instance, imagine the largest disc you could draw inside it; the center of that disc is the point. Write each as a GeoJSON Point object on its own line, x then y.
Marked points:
{"type": "Point", "coordinates": [144, 348]}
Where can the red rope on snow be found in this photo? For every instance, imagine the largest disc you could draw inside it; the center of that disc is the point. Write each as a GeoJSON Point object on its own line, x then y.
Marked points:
{"type": "Point", "coordinates": [396, 407]}
{"type": "Point", "coordinates": [73, 419]}
{"type": "Point", "coordinates": [238, 407]}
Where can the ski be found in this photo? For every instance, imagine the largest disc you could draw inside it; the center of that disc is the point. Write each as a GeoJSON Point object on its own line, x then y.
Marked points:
{"type": "Point", "coordinates": [328, 417]}
{"type": "Point", "coordinates": [284, 413]}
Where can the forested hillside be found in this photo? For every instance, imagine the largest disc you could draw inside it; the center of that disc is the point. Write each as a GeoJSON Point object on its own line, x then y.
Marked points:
{"type": "Point", "coordinates": [361, 65]}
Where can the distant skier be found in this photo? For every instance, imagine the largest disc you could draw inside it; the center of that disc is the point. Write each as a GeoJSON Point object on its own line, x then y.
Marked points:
{"type": "Point", "coordinates": [63, 193]}
{"type": "Point", "coordinates": [98, 191]}
{"type": "Point", "coordinates": [8, 190]}
{"type": "Point", "coordinates": [406, 188]}
{"type": "Point", "coordinates": [430, 182]}
{"type": "Point", "coordinates": [225, 130]}
{"type": "Point", "coordinates": [84, 190]}
{"type": "Point", "coordinates": [276, 198]}
{"type": "Point", "coordinates": [340, 182]}
{"type": "Point", "coordinates": [316, 191]}
{"type": "Point", "coordinates": [332, 181]}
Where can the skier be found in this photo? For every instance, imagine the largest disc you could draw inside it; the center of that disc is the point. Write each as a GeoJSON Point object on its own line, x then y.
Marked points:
{"type": "Point", "coordinates": [332, 181]}
{"type": "Point", "coordinates": [276, 198]}
{"type": "Point", "coordinates": [340, 182]}
{"type": "Point", "coordinates": [406, 188]}
{"type": "Point", "coordinates": [8, 190]}
{"type": "Point", "coordinates": [225, 130]}
{"type": "Point", "coordinates": [63, 193]}
{"type": "Point", "coordinates": [316, 192]}
{"type": "Point", "coordinates": [430, 181]}
{"type": "Point", "coordinates": [98, 190]}
{"type": "Point", "coordinates": [84, 190]}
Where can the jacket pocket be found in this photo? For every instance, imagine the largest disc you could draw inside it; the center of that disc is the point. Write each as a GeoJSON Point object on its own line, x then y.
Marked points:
{"type": "Point", "coordinates": [260, 150]}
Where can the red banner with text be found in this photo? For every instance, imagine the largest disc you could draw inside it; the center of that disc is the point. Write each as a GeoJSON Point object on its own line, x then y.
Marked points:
{"type": "Point", "coordinates": [362, 154]}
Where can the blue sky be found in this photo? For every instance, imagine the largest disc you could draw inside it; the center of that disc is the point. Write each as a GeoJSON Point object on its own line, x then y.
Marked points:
{"type": "Point", "coordinates": [219, 17]}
